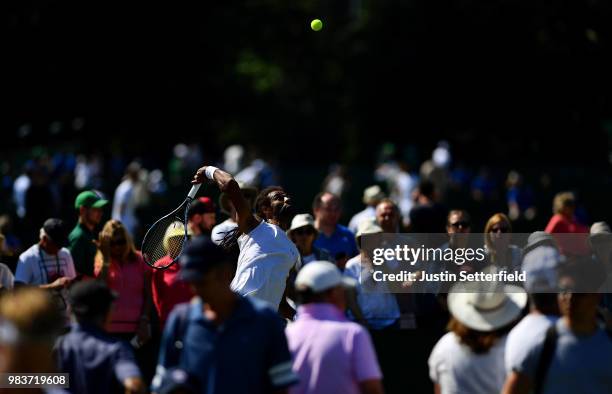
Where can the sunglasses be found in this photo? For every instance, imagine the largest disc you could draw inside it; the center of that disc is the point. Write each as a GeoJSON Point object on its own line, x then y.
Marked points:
{"type": "Point", "coordinates": [118, 242]}
{"type": "Point", "coordinates": [500, 229]}
{"type": "Point", "coordinates": [460, 224]}
{"type": "Point", "coordinates": [303, 231]}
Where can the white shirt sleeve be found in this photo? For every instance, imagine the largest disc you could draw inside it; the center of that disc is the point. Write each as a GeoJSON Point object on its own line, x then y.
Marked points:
{"type": "Point", "coordinates": [23, 272]}
{"type": "Point", "coordinates": [70, 271]}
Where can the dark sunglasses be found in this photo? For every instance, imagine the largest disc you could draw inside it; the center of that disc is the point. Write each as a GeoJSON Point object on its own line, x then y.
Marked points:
{"type": "Point", "coordinates": [460, 224]}
{"type": "Point", "coordinates": [118, 242]}
{"type": "Point", "coordinates": [304, 231]}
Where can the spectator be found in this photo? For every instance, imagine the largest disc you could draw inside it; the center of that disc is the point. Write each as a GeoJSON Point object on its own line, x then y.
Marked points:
{"type": "Point", "coordinates": [127, 198]}
{"type": "Point", "coordinates": [303, 234]}
{"type": "Point", "coordinates": [82, 247]}
{"type": "Point", "coordinates": [576, 354]}
{"type": "Point", "coordinates": [540, 265]}
{"type": "Point", "coordinates": [48, 264]}
{"type": "Point", "coordinates": [220, 331]}
{"type": "Point", "coordinates": [375, 305]}
{"type": "Point", "coordinates": [404, 184]}
{"type": "Point", "coordinates": [600, 240]}
{"type": "Point", "coordinates": [6, 276]}
{"type": "Point", "coordinates": [333, 237]}
{"type": "Point", "coordinates": [96, 362]}
{"type": "Point", "coordinates": [168, 289]}
{"type": "Point", "coordinates": [29, 326]}
{"type": "Point", "coordinates": [340, 357]}
{"type": "Point", "coordinates": [201, 216]}
{"type": "Point", "coordinates": [458, 228]}
{"type": "Point", "coordinates": [497, 243]}
{"type": "Point", "coordinates": [564, 222]}
{"type": "Point", "coordinates": [520, 198]}
{"type": "Point", "coordinates": [371, 197]}
{"type": "Point", "coordinates": [388, 216]}
{"type": "Point", "coordinates": [266, 253]}
{"type": "Point", "coordinates": [427, 216]}
{"type": "Point", "coordinates": [125, 272]}
{"type": "Point", "coordinates": [227, 208]}
{"type": "Point", "coordinates": [40, 202]}
{"type": "Point", "coordinates": [539, 238]}
{"type": "Point", "coordinates": [12, 246]}
{"type": "Point", "coordinates": [470, 358]}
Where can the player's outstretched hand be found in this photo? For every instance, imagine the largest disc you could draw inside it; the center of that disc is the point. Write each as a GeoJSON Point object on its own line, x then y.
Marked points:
{"type": "Point", "coordinates": [199, 176]}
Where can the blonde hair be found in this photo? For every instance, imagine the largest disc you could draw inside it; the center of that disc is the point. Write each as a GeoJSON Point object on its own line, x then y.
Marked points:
{"type": "Point", "coordinates": [111, 229]}
{"type": "Point", "coordinates": [493, 220]}
{"type": "Point", "coordinates": [563, 200]}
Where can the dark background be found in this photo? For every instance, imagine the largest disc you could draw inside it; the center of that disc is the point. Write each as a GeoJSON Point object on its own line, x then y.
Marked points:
{"type": "Point", "coordinates": [503, 79]}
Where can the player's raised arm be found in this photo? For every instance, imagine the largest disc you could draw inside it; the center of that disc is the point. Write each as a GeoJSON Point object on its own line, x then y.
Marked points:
{"type": "Point", "coordinates": [227, 184]}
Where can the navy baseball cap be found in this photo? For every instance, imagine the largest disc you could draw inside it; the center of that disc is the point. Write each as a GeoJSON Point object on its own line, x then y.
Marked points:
{"type": "Point", "coordinates": [200, 255]}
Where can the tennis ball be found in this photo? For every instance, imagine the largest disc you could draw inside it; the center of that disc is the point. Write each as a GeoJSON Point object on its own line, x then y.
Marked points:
{"type": "Point", "coordinates": [316, 25]}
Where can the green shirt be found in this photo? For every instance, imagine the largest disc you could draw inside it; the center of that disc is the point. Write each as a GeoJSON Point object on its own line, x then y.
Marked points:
{"type": "Point", "coordinates": [82, 249]}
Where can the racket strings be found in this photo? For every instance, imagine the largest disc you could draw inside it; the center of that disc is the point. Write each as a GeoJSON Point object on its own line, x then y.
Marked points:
{"type": "Point", "coordinates": [165, 239]}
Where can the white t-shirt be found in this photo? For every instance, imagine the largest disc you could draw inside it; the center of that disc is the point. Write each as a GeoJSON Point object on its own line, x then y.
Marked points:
{"type": "Point", "coordinates": [36, 267]}
{"type": "Point", "coordinates": [124, 205]}
{"type": "Point", "coordinates": [527, 334]}
{"type": "Point", "coordinates": [378, 305]}
{"type": "Point", "coordinates": [218, 232]}
{"type": "Point", "coordinates": [266, 257]}
{"type": "Point", "coordinates": [458, 370]}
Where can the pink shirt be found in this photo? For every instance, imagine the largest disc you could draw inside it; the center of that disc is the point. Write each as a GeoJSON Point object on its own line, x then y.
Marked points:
{"type": "Point", "coordinates": [128, 280]}
{"type": "Point", "coordinates": [330, 354]}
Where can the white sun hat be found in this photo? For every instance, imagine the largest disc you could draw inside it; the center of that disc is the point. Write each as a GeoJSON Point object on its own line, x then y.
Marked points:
{"type": "Point", "coordinates": [486, 306]}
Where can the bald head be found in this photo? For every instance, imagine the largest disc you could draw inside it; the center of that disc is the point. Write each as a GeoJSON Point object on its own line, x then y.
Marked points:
{"type": "Point", "coordinates": [327, 208]}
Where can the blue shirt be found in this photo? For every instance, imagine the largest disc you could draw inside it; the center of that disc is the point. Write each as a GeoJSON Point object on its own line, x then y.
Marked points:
{"type": "Point", "coordinates": [248, 353]}
{"type": "Point", "coordinates": [96, 362]}
{"type": "Point", "coordinates": [341, 241]}
{"type": "Point", "coordinates": [580, 364]}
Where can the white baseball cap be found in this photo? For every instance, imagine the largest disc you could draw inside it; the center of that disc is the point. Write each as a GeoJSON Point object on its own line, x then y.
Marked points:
{"type": "Point", "coordinates": [301, 220]}
{"type": "Point", "coordinates": [321, 275]}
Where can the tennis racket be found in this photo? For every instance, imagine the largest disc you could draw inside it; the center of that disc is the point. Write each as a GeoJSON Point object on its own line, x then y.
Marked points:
{"type": "Point", "coordinates": [164, 241]}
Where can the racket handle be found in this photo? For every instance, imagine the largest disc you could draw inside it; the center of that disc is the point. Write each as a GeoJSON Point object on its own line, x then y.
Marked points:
{"type": "Point", "coordinates": [194, 190]}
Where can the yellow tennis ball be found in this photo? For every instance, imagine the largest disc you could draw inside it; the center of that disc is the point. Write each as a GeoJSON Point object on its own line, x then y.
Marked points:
{"type": "Point", "coordinates": [316, 25]}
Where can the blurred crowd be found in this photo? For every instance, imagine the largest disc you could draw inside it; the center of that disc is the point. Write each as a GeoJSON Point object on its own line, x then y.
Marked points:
{"type": "Point", "coordinates": [269, 296]}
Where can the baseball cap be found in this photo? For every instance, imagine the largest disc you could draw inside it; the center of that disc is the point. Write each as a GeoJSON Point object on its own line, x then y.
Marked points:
{"type": "Point", "coordinates": [90, 296]}
{"type": "Point", "coordinates": [541, 266]}
{"type": "Point", "coordinates": [200, 206]}
{"type": "Point", "coordinates": [321, 275]}
{"type": "Point", "coordinates": [301, 220]}
{"type": "Point", "coordinates": [600, 231]}
{"type": "Point", "coordinates": [89, 199]}
{"type": "Point", "coordinates": [57, 231]}
{"type": "Point", "coordinates": [200, 255]}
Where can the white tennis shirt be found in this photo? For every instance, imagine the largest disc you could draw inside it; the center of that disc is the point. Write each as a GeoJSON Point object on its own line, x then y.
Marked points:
{"type": "Point", "coordinates": [266, 257]}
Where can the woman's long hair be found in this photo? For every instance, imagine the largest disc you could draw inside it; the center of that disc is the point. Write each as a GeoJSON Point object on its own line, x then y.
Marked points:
{"type": "Point", "coordinates": [114, 228]}
{"type": "Point", "coordinates": [479, 342]}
